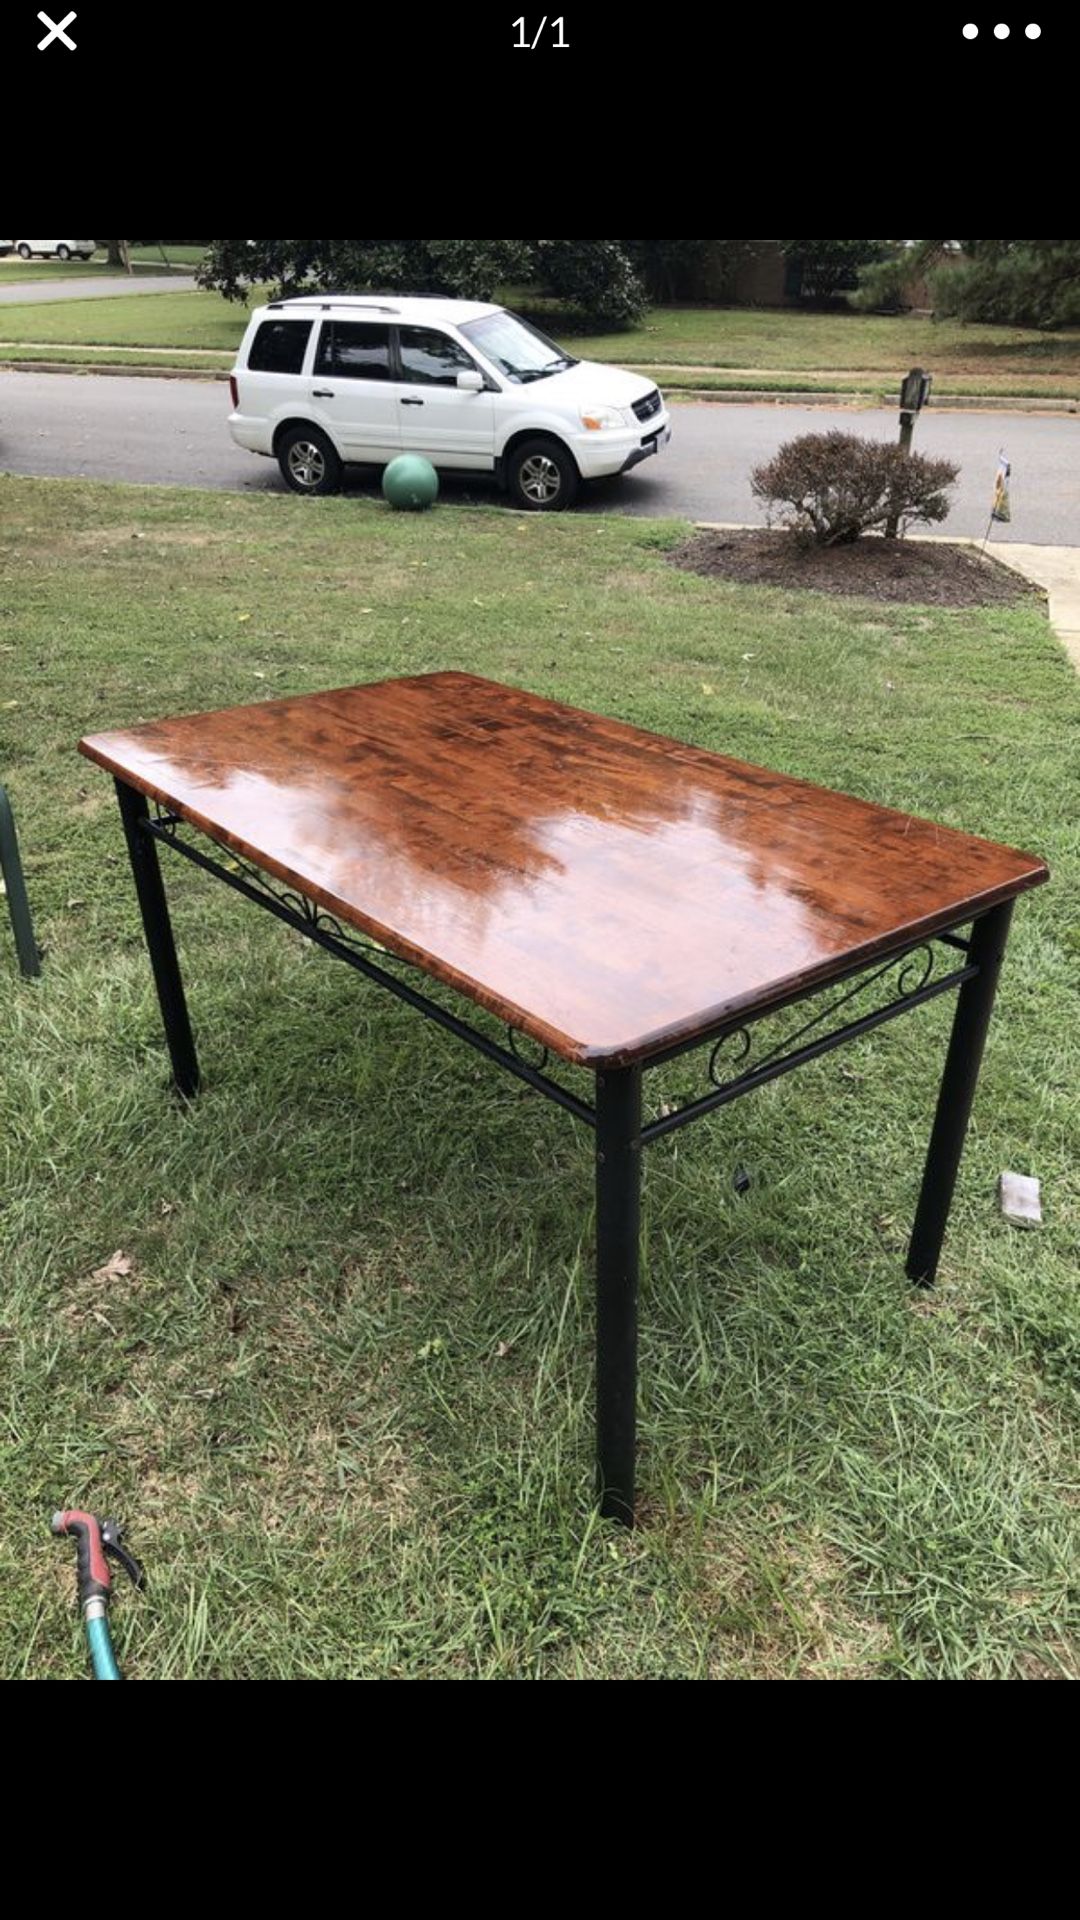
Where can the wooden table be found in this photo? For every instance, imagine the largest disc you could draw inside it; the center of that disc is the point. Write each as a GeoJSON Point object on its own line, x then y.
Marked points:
{"type": "Point", "coordinates": [615, 896]}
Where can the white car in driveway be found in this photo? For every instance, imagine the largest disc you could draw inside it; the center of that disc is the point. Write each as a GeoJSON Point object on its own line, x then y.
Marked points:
{"type": "Point", "coordinates": [62, 249]}
{"type": "Point", "coordinates": [324, 381]}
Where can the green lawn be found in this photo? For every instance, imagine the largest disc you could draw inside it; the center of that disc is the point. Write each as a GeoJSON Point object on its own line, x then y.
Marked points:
{"type": "Point", "coordinates": [1005, 360]}
{"type": "Point", "coordinates": [343, 1397]}
{"type": "Point", "coordinates": [794, 342]}
{"type": "Point", "coordinates": [136, 319]}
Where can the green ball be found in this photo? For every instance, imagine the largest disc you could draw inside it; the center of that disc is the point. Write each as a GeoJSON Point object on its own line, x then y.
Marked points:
{"type": "Point", "coordinates": [410, 482]}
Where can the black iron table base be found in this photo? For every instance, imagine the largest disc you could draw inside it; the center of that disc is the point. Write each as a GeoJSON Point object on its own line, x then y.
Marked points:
{"type": "Point", "coordinates": [616, 1115]}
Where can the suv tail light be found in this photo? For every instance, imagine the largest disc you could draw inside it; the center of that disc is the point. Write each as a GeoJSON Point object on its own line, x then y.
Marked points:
{"type": "Point", "coordinates": [233, 394]}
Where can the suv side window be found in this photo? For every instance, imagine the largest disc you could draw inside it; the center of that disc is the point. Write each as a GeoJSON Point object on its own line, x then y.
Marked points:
{"type": "Point", "coordinates": [431, 358]}
{"type": "Point", "coordinates": [279, 346]}
{"type": "Point", "coordinates": [353, 350]}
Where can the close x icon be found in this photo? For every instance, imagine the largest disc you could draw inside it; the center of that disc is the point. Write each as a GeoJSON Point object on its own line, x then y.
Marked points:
{"type": "Point", "coordinates": [57, 34]}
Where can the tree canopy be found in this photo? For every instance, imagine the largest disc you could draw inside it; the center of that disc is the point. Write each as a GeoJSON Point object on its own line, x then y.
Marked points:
{"type": "Point", "coordinates": [1022, 283]}
{"type": "Point", "coordinates": [596, 277]}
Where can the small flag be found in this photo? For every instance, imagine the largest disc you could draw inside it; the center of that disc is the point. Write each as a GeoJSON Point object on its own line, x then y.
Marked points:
{"type": "Point", "coordinates": [1000, 509]}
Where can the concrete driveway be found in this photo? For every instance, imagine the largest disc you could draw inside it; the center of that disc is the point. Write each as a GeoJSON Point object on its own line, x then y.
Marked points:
{"type": "Point", "coordinates": [173, 432]}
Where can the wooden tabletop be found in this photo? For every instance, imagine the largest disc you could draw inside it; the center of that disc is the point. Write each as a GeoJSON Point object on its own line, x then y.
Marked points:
{"type": "Point", "coordinates": [605, 890]}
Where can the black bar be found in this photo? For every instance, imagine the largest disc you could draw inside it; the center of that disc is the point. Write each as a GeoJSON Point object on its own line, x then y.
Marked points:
{"type": "Point", "coordinates": [758, 1076]}
{"type": "Point", "coordinates": [618, 1224]}
{"type": "Point", "coordinates": [431, 1009]}
{"type": "Point", "coordinates": [962, 1062]}
{"type": "Point", "coordinates": [22, 925]}
{"type": "Point", "coordinates": [159, 939]}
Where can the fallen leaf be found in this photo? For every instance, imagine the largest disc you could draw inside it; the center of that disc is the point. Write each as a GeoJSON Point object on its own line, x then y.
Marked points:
{"type": "Point", "coordinates": [9, 704]}
{"type": "Point", "coordinates": [502, 1349]}
{"type": "Point", "coordinates": [118, 1264]}
{"type": "Point", "coordinates": [706, 688]}
{"type": "Point", "coordinates": [243, 616]}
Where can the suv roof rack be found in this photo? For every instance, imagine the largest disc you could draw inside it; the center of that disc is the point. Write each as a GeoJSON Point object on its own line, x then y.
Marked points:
{"type": "Point", "coordinates": [334, 300]}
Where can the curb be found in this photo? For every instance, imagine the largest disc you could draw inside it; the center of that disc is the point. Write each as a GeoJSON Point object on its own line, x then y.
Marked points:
{"type": "Point", "coordinates": [817, 397]}
{"type": "Point", "coordinates": [134, 372]}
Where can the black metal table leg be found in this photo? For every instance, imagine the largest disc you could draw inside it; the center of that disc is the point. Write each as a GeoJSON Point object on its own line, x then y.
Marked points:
{"type": "Point", "coordinates": [159, 939]}
{"type": "Point", "coordinates": [18, 906]}
{"type": "Point", "coordinates": [970, 1022]}
{"type": "Point", "coordinates": [618, 1222]}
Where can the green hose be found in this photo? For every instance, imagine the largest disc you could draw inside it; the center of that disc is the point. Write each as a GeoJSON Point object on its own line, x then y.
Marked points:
{"type": "Point", "coordinates": [101, 1650]}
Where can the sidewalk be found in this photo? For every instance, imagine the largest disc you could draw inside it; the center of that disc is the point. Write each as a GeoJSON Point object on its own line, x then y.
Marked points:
{"type": "Point", "coordinates": [1058, 570]}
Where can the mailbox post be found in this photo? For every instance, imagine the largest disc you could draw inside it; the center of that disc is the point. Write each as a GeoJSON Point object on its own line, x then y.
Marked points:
{"type": "Point", "coordinates": [914, 394]}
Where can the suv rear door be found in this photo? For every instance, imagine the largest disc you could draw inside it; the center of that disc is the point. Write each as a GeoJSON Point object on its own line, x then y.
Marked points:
{"type": "Point", "coordinates": [453, 428]}
{"type": "Point", "coordinates": [352, 393]}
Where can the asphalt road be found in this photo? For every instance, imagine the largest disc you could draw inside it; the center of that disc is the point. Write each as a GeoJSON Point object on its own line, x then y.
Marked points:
{"type": "Point", "coordinates": [173, 432]}
{"type": "Point", "coordinates": [32, 292]}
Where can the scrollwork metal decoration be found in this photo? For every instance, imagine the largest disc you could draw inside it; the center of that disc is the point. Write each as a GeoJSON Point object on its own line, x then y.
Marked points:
{"type": "Point", "coordinates": [916, 970]}
{"type": "Point", "coordinates": [314, 917]}
{"type": "Point", "coordinates": [733, 1067]}
{"type": "Point", "coordinates": [744, 1039]}
{"type": "Point", "coordinates": [517, 1041]}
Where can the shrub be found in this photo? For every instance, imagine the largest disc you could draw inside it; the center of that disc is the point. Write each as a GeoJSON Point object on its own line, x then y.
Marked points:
{"type": "Point", "coordinates": [885, 287]}
{"type": "Point", "coordinates": [594, 276]}
{"type": "Point", "coordinates": [831, 487]}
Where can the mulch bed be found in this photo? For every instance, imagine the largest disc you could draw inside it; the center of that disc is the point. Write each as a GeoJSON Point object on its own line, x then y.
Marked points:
{"type": "Point", "coordinates": [934, 573]}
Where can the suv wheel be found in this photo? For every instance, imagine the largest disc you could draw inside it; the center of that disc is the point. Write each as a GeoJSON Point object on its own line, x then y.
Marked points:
{"type": "Point", "coordinates": [63, 253]}
{"type": "Point", "coordinates": [541, 476]}
{"type": "Point", "coordinates": [308, 461]}
{"type": "Point", "coordinates": [23, 251]}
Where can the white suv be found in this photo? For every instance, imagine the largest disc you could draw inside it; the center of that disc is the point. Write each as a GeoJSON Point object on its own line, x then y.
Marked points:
{"type": "Point", "coordinates": [323, 381]}
{"type": "Point", "coordinates": [63, 249]}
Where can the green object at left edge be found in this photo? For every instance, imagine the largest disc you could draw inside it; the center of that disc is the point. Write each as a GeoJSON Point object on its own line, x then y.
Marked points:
{"type": "Point", "coordinates": [410, 482]}
{"type": "Point", "coordinates": [18, 906]}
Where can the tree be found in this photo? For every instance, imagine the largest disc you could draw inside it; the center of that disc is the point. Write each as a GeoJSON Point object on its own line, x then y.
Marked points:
{"type": "Point", "coordinates": [888, 285]}
{"type": "Point", "coordinates": [595, 276]}
{"type": "Point", "coordinates": [830, 267]}
{"type": "Point", "coordinates": [1021, 283]}
{"type": "Point", "coordinates": [454, 267]}
{"type": "Point", "coordinates": [117, 254]}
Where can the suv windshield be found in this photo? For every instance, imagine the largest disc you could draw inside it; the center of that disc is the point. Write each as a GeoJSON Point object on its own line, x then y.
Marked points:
{"type": "Point", "coordinates": [520, 351]}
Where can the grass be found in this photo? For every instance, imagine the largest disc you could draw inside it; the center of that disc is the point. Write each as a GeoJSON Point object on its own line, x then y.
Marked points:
{"type": "Point", "coordinates": [201, 320]}
{"type": "Point", "coordinates": [738, 348]}
{"type": "Point", "coordinates": [787, 341]}
{"type": "Point", "coordinates": [343, 1396]}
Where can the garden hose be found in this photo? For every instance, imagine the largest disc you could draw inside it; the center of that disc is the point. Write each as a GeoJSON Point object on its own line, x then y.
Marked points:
{"type": "Point", "coordinates": [96, 1539]}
